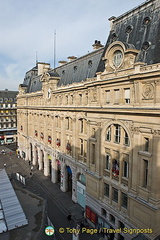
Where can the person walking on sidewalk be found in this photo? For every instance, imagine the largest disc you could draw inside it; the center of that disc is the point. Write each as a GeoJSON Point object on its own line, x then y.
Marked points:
{"type": "Point", "coordinates": [69, 217]}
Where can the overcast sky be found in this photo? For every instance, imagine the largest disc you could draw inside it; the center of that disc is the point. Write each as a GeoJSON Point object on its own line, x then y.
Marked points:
{"type": "Point", "coordinates": [27, 27]}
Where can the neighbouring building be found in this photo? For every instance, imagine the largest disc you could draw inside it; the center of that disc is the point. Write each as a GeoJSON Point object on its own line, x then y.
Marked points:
{"type": "Point", "coordinates": [93, 125]}
{"type": "Point", "coordinates": [8, 116]}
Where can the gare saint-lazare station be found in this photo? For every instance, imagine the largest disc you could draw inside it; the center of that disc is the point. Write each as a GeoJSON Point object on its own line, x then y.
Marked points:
{"type": "Point", "coordinates": [92, 124]}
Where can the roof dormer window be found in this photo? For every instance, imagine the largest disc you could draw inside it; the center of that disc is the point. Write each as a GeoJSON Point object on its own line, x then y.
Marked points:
{"type": "Point", "coordinates": [146, 21]}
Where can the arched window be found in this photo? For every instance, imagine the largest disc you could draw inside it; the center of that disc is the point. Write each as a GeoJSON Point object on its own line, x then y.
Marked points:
{"type": "Point", "coordinates": [115, 133]}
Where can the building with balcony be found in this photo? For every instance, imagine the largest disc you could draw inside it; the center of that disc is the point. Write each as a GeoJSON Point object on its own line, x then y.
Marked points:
{"type": "Point", "coordinates": [92, 125]}
{"type": "Point", "coordinates": [8, 116]}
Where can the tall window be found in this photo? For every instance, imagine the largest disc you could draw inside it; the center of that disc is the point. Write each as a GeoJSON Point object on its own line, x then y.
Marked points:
{"type": "Point", "coordinates": [108, 96]}
{"type": "Point", "coordinates": [108, 161]}
{"type": "Point", "coordinates": [93, 154]}
{"type": "Point", "coordinates": [81, 147]}
{"type": "Point", "coordinates": [117, 133]}
{"type": "Point", "coordinates": [108, 135]}
{"type": "Point", "coordinates": [126, 139]}
{"type": "Point", "coordinates": [145, 173]}
{"type": "Point", "coordinates": [126, 166]}
{"type": "Point", "coordinates": [116, 96]}
{"type": "Point", "coordinates": [85, 150]}
{"type": "Point", "coordinates": [106, 190]}
{"type": "Point", "coordinates": [146, 144]}
{"type": "Point", "coordinates": [81, 125]}
{"type": "Point", "coordinates": [124, 200]}
{"type": "Point", "coordinates": [67, 123]}
{"type": "Point", "coordinates": [127, 95]}
{"type": "Point", "coordinates": [115, 167]}
{"type": "Point", "coordinates": [115, 195]}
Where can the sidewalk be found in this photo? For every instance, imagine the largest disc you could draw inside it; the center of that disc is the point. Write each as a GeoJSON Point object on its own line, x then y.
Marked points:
{"type": "Point", "coordinates": [61, 199]}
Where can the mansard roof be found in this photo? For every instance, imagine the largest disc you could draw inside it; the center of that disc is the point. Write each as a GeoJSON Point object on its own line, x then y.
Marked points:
{"type": "Point", "coordinates": [80, 69]}
{"type": "Point", "coordinates": [141, 28]}
{"type": "Point", "coordinates": [137, 29]}
{"type": "Point", "coordinates": [8, 94]}
{"type": "Point", "coordinates": [75, 71]}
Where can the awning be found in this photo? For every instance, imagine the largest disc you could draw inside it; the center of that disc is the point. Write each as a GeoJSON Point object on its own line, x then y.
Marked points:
{"type": "Point", "coordinates": [13, 213]}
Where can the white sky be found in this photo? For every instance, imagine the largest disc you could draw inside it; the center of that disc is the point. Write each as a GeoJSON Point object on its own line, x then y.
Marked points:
{"type": "Point", "coordinates": [27, 27]}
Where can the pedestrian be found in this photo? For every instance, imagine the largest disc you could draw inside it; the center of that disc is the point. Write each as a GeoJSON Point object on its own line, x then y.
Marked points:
{"type": "Point", "coordinates": [69, 217]}
{"type": "Point", "coordinates": [4, 164]}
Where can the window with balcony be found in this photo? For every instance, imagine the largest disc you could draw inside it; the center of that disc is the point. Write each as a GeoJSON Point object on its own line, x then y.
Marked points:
{"type": "Point", "coordinates": [115, 167]}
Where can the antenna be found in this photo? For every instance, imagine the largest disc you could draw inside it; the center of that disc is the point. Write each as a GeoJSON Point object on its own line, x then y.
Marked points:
{"type": "Point", "coordinates": [54, 61]}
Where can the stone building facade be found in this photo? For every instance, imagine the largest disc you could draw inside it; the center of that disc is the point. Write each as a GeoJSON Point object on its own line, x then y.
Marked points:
{"type": "Point", "coordinates": [92, 125]}
{"type": "Point", "coordinates": [8, 116]}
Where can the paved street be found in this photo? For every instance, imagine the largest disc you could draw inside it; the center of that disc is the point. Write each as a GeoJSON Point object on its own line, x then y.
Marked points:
{"type": "Point", "coordinates": [57, 204]}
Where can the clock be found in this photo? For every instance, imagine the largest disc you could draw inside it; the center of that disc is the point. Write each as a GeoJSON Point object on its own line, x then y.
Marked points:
{"type": "Point", "coordinates": [117, 58]}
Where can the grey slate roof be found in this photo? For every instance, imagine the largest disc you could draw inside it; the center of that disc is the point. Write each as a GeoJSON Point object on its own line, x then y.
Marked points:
{"type": "Point", "coordinates": [6, 94]}
{"type": "Point", "coordinates": [141, 33]}
{"type": "Point", "coordinates": [80, 69]}
{"type": "Point", "coordinates": [138, 29]}
{"type": "Point", "coordinates": [75, 71]}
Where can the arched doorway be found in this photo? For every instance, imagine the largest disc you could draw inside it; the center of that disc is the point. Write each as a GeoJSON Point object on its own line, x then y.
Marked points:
{"type": "Point", "coordinates": [81, 190]}
{"type": "Point", "coordinates": [50, 165]}
{"type": "Point", "coordinates": [69, 178]}
{"type": "Point", "coordinates": [58, 171]}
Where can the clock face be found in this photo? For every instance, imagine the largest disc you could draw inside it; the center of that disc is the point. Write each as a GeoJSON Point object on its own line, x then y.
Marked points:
{"type": "Point", "coordinates": [117, 58]}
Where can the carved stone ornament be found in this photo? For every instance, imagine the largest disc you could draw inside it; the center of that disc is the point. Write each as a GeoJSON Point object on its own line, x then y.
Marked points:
{"type": "Point", "coordinates": [155, 131]}
{"type": "Point", "coordinates": [135, 129]}
{"type": "Point", "coordinates": [148, 91]}
{"type": "Point", "coordinates": [45, 77]}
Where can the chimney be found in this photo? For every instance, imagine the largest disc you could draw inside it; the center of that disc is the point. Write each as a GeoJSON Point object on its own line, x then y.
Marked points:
{"type": "Point", "coordinates": [43, 67]}
{"type": "Point", "coordinates": [62, 63]}
{"type": "Point", "coordinates": [111, 19]}
{"type": "Point", "coordinates": [71, 58]}
{"type": "Point", "coordinates": [97, 44]}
